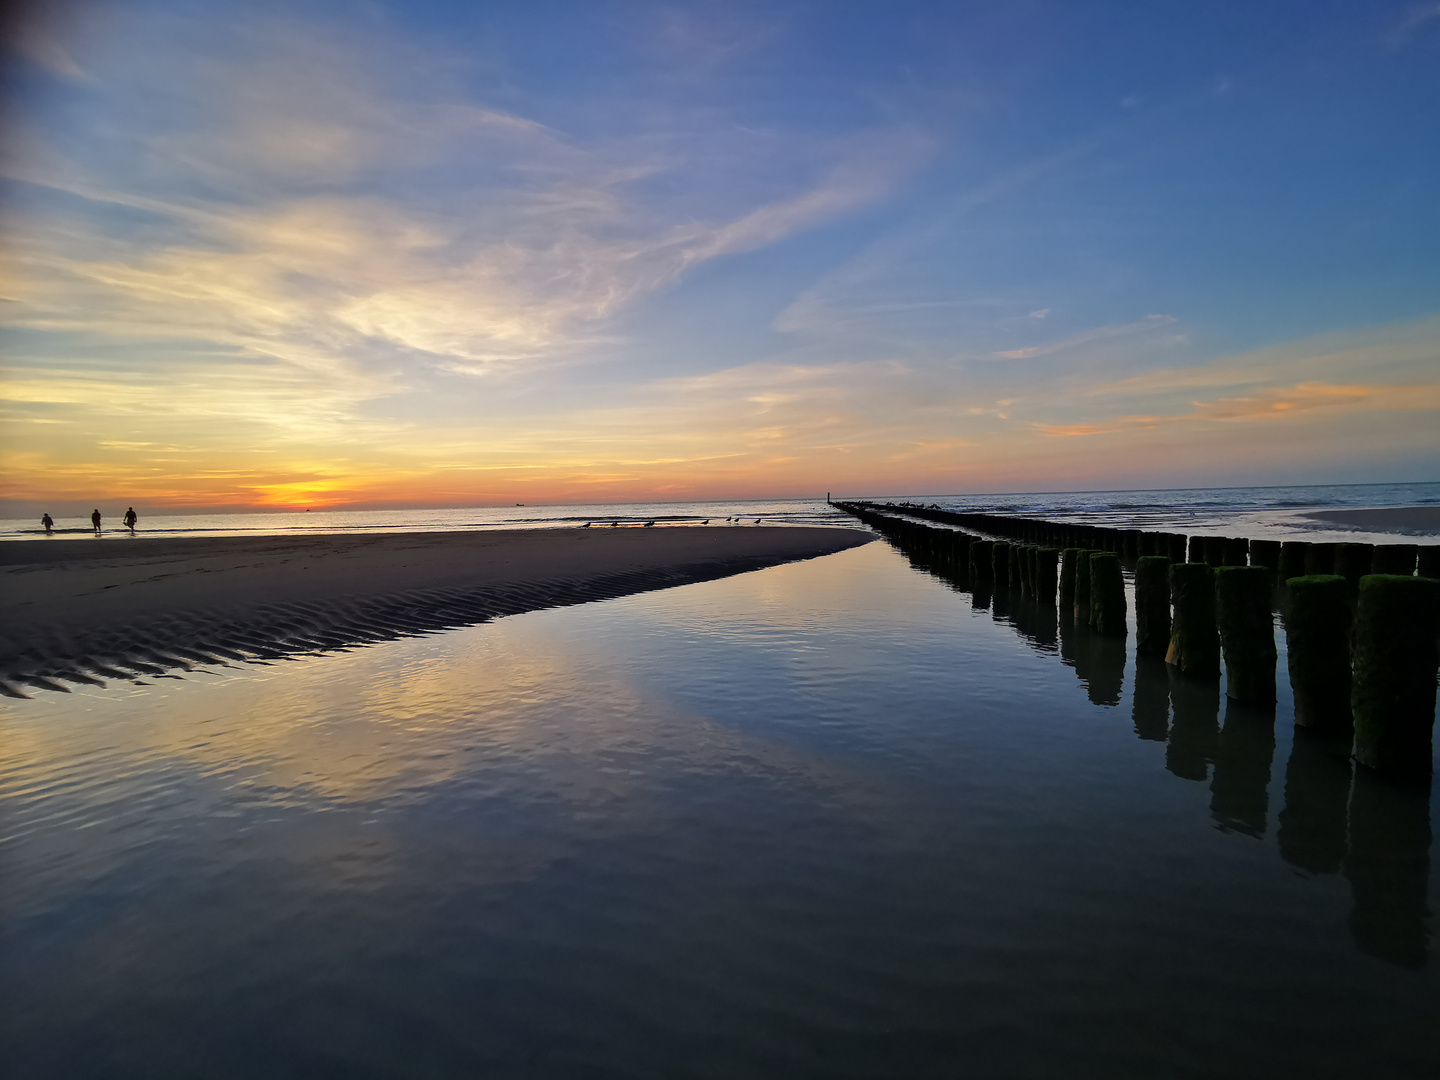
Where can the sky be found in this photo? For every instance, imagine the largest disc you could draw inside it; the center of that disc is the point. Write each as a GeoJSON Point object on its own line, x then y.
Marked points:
{"type": "Point", "coordinates": [441, 253]}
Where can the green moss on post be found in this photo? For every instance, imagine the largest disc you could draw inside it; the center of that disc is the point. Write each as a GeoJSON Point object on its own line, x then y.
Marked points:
{"type": "Point", "coordinates": [1107, 594]}
{"type": "Point", "coordinates": [1000, 563]}
{"type": "Point", "coordinates": [1395, 559]}
{"type": "Point", "coordinates": [1068, 559]}
{"type": "Point", "coordinates": [1317, 632]}
{"type": "Point", "coordinates": [1247, 633]}
{"type": "Point", "coordinates": [1320, 559]}
{"type": "Point", "coordinates": [1352, 562]}
{"type": "Point", "coordinates": [1152, 605]}
{"type": "Point", "coordinates": [981, 565]}
{"type": "Point", "coordinates": [1046, 573]}
{"type": "Point", "coordinates": [1393, 694]}
{"type": "Point", "coordinates": [1194, 641]}
{"type": "Point", "coordinates": [1082, 587]}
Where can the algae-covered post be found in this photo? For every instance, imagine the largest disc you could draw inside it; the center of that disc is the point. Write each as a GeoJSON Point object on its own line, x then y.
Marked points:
{"type": "Point", "coordinates": [1152, 605]}
{"type": "Point", "coordinates": [1317, 632]}
{"type": "Point", "coordinates": [1107, 594]}
{"type": "Point", "coordinates": [1247, 633]}
{"type": "Point", "coordinates": [1393, 694]}
{"type": "Point", "coordinates": [1194, 639]}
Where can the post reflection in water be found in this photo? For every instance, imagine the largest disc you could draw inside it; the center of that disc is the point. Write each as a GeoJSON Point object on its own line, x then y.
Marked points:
{"type": "Point", "coordinates": [1150, 707]}
{"type": "Point", "coordinates": [1388, 867]}
{"type": "Point", "coordinates": [1239, 792]}
{"type": "Point", "coordinates": [1194, 730]}
{"type": "Point", "coordinates": [1036, 623]}
{"type": "Point", "coordinates": [1098, 660]}
{"type": "Point", "coordinates": [1335, 818]}
{"type": "Point", "coordinates": [1314, 820]}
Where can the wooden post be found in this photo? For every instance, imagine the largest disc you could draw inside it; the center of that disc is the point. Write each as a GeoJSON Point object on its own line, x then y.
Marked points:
{"type": "Point", "coordinates": [1000, 564]}
{"type": "Point", "coordinates": [1068, 559]}
{"type": "Point", "coordinates": [1395, 559]}
{"type": "Point", "coordinates": [1194, 641]}
{"type": "Point", "coordinates": [981, 562]}
{"type": "Point", "coordinates": [1152, 605]}
{"type": "Point", "coordinates": [1046, 560]}
{"type": "Point", "coordinates": [1352, 562]}
{"type": "Point", "coordinates": [1294, 554]}
{"type": "Point", "coordinates": [1317, 630]}
{"type": "Point", "coordinates": [1107, 594]}
{"type": "Point", "coordinates": [1247, 633]}
{"type": "Point", "coordinates": [1320, 559]}
{"type": "Point", "coordinates": [1393, 695]}
{"type": "Point", "coordinates": [1082, 587]}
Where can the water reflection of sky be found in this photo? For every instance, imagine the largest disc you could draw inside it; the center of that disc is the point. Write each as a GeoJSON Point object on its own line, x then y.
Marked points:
{"type": "Point", "coordinates": [832, 818]}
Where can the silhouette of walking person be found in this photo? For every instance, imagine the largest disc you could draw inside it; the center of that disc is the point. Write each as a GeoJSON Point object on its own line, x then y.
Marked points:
{"type": "Point", "coordinates": [95, 521]}
{"type": "Point", "coordinates": [47, 523]}
{"type": "Point", "coordinates": [130, 519]}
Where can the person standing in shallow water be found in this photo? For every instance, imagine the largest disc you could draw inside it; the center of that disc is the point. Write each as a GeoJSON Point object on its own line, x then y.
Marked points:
{"type": "Point", "coordinates": [130, 519]}
{"type": "Point", "coordinates": [95, 521]}
{"type": "Point", "coordinates": [47, 523]}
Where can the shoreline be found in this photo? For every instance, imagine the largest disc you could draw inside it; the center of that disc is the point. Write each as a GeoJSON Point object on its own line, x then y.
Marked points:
{"type": "Point", "coordinates": [74, 612]}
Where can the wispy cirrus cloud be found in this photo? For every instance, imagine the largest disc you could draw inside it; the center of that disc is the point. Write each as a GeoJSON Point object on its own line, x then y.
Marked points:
{"type": "Point", "coordinates": [1103, 335]}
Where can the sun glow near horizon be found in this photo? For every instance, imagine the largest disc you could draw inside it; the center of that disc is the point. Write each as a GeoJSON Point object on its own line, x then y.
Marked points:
{"type": "Point", "coordinates": [256, 258]}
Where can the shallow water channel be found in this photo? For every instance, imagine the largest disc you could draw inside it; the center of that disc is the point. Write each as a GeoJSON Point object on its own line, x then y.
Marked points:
{"type": "Point", "coordinates": [828, 819]}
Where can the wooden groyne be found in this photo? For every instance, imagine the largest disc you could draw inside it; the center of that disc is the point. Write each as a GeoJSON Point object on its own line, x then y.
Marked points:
{"type": "Point", "coordinates": [1362, 620]}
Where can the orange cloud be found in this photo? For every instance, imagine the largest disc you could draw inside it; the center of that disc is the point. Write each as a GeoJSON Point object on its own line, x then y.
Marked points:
{"type": "Point", "coordinates": [1276, 403]}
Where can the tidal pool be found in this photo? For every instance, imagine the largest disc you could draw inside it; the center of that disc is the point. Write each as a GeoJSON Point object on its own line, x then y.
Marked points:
{"type": "Point", "coordinates": [830, 819]}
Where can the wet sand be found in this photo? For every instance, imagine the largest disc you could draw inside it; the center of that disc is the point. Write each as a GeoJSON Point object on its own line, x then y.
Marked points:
{"type": "Point", "coordinates": [1409, 520]}
{"type": "Point", "coordinates": [80, 611]}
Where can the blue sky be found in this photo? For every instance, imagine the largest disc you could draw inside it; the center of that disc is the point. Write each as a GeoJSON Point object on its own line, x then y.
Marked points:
{"type": "Point", "coordinates": [312, 254]}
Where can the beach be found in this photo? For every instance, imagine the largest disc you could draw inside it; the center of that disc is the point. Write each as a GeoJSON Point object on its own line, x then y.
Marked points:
{"type": "Point", "coordinates": [82, 610]}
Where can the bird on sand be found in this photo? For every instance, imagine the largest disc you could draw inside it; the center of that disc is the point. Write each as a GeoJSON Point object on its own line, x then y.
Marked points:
{"type": "Point", "coordinates": [586, 525]}
{"type": "Point", "coordinates": [705, 522]}
{"type": "Point", "coordinates": [648, 524]}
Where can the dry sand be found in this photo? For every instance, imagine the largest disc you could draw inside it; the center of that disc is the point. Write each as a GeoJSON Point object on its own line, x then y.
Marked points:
{"type": "Point", "coordinates": [1409, 520]}
{"type": "Point", "coordinates": [82, 610]}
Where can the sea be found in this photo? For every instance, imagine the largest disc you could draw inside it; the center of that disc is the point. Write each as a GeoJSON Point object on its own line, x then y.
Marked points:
{"type": "Point", "coordinates": [1275, 512]}
{"type": "Point", "coordinates": [835, 818]}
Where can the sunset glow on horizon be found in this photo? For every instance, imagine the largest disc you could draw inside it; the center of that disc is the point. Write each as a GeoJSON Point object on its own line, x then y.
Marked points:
{"type": "Point", "coordinates": [438, 254]}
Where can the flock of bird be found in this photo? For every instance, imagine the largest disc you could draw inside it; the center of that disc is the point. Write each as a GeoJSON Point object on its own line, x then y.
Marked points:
{"type": "Point", "coordinates": [650, 524]}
